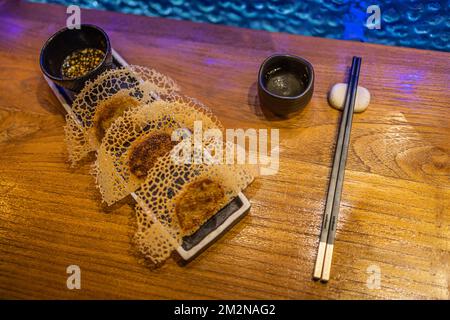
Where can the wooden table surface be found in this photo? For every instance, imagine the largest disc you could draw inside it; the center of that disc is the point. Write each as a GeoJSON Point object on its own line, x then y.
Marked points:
{"type": "Point", "coordinates": [395, 209]}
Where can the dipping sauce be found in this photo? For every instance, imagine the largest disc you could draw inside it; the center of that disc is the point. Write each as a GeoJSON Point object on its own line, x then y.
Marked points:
{"type": "Point", "coordinates": [80, 62]}
{"type": "Point", "coordinates": [284, 83]}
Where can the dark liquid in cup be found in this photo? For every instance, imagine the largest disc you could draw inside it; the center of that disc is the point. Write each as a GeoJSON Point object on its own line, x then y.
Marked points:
{"type": "Point", "coordinates": [284, 83]}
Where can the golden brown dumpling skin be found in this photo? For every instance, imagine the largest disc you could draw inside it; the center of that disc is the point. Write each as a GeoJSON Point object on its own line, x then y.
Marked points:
{"type": "Point", "coordinates": [109, 110]}
{"type": "Point", "coordinates": [146, 151]}
{"type": "Point", "coordinates": [197, 202]}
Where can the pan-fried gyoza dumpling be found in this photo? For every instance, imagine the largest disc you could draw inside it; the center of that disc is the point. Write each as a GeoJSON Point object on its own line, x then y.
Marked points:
{"type": "Point", "coordinates": [106, 98]}
{"type": "Point", "coordinates": [135, 141]}
{"type": "Point", "coordinates": [176, 199]}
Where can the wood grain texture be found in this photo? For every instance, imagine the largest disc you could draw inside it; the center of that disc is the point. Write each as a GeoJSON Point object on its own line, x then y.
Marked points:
{"type": "Point", "coordinates": [395, 210]}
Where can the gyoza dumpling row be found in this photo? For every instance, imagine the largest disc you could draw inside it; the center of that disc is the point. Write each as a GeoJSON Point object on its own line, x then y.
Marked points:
{"type": "Point", "coordinates": [129, 116]}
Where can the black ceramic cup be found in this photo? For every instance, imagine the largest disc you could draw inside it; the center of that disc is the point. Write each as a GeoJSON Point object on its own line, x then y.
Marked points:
{"type": "Point", "coordinates": [285, 83]}
{"type": "Point", "coordinates": [66, 41]}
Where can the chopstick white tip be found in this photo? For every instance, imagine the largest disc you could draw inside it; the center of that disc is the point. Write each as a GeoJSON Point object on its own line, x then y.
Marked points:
{"type": "Point", "coordinates": [327, 263]}
{"type": "Point", "coordinates": [319, 260]}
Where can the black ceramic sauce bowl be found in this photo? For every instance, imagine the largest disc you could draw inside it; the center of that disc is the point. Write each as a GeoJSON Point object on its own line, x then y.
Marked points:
{"type": "Point", "coordinates": [285, 83]}
{"type": "Point", "coordinates": [66, 41]}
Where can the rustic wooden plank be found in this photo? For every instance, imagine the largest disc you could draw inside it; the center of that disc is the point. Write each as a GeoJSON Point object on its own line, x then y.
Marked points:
{"type": "Point", "coordinates": [396, 199]}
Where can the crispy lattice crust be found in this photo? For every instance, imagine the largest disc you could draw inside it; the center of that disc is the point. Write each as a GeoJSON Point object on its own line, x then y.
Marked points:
{"type": "Point", "coordinates": [160, 109]}
{"type": "Point", "coordinates": [112, 169]}
{"type": "Point", "coordinates": [145, 85]}
{"type": "Point", "coordinates": [158, 198]}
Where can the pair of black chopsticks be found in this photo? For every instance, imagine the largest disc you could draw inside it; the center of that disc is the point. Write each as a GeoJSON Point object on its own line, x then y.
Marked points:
{"type": "Point", "coordinates": [328, 233]}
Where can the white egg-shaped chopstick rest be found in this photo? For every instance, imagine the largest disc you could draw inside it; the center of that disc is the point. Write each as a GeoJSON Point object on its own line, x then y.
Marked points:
{"type": "Point", "coordinates": [336, 97]}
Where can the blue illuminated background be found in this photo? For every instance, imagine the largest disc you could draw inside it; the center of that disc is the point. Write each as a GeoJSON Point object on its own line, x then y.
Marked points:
{"type": "Point", "coordinates": [411, 23]}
